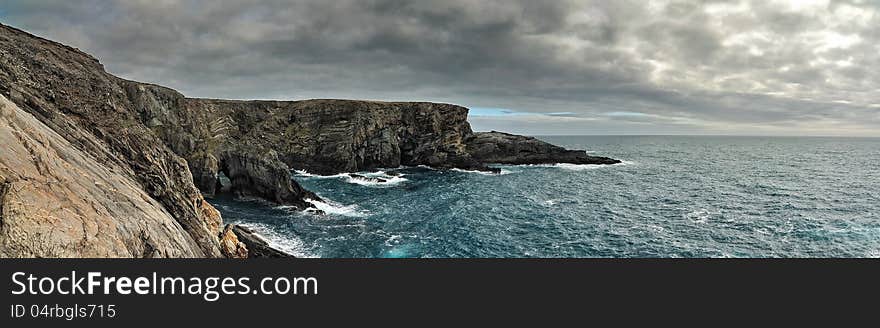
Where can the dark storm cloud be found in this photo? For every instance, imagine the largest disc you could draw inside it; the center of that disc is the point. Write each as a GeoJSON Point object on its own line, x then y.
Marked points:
{"type": "Point", "coordinates": [767, 67]}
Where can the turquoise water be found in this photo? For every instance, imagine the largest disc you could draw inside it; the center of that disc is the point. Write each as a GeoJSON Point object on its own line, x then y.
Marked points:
{"type": "Point", "coordinates": [673, 197]}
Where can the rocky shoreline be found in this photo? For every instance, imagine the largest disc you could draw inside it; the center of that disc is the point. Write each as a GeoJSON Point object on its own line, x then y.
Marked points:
{"type": "Point", "coordinates": [99, 166]}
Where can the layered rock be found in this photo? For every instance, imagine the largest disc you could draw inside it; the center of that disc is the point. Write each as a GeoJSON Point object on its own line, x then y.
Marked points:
{"type": "Point", "coordinates": [505, 148]}
{"type": "Point", "coordinates": [58, 201]}
{"type": "Point", "coordinates": [335, 136]}
{"type": "Point", "coordinates": [69, 93]}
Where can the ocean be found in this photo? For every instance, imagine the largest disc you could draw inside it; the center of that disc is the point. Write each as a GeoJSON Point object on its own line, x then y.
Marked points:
{"type": "Point", "coordinates": [674, 196]}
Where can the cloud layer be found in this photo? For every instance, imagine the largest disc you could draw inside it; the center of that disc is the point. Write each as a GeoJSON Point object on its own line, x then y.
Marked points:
{"type": "Point", "coordinates": [555, 67]}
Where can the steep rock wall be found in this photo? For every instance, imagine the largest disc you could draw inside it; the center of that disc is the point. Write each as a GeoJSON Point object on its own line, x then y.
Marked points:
{"type": "Point", "coordinates": [70, 93]}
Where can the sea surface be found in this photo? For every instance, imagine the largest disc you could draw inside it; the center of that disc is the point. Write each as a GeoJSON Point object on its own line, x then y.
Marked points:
{"type": "Point", "coordinates": [674, 196]}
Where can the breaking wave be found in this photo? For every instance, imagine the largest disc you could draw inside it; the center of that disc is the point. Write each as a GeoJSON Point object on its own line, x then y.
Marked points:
{"type": "Point", "coordinates": [376, 181]}
{"type": "Point", "coordinates": [333, 208]}
{"type": "Point", "coordinates": [287, 243]}
{"type": "Point", "coordinates": [369, 179]}
{"type": "Point", "coordinates": [577, 167]}
{"type": "Point", "coordinates": [502, 172]}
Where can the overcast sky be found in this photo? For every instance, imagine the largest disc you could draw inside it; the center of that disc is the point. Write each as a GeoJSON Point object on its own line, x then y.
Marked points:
{"type": "Point", "coordinates": [761, 67]}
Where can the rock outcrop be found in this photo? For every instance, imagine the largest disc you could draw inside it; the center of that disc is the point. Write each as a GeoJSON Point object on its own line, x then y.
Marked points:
{"type": "Point", "coordinates": [256, 245]}
{"type": "Point", "coordinates": [231, 246]}
{"type": "Point", "coordinates": [504, 148]}
{"type": "Point", "coordinates": [321, 136]}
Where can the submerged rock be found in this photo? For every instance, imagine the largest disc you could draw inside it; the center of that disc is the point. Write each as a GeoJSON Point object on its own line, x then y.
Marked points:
{"type": "Point", "coordinates": [366, 178]}
{"type": "Point", "coordinates": [505, 148]}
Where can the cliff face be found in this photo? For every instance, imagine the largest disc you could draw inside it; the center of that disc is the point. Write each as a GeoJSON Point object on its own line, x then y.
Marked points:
{"type": "Point", "coordinates": [257, 143]}
{"type": "Point", "coordinates": [211, 141]}
{"type": "Point", "coordinates": [56, 201]}
{"type": "Point", "coordinates": [69, 93]}
{"type": "Point", "coordinates": [333, 136]}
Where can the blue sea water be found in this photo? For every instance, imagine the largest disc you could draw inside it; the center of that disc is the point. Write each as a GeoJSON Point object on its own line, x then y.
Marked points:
{"type": "Point", "coordinates": [674, 196]}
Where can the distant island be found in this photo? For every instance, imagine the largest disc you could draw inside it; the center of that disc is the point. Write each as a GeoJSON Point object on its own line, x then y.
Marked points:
{"type": "Point", "coordinates": [98, 166]}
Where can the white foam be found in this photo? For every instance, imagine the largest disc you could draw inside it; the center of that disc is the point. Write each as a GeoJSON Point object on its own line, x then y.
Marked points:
{"type": "Point", "coordinates": [393, 240]}
{"type": "Point", "coordinates": [700, 216]}
{"type": "Point", "coordinates": [304, 173]}
{"type": "Point", "coordinates": [330, 207]}
{"type": "Point", "coordinates": [572, 167]}
{"type": "Point", "coordinates": [386, 180]}
{"type": "Point", "coordinates": [289, 244]}
{"type": "Point", "coordinates": [578, 167]}
{"type": "Point", "coordinates": [502, 172]}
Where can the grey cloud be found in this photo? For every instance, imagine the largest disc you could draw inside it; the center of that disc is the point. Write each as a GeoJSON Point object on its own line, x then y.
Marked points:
{"type": "Point", "coordinates": [689, 66]}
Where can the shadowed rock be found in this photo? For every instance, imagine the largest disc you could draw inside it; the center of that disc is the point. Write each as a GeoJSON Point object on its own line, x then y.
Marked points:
{"type": "Point", "coordinates": [504, 148]}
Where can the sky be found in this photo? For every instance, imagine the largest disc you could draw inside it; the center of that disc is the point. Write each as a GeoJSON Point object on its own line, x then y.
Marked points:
{"type": "Point", "coordinates": [763, 67]}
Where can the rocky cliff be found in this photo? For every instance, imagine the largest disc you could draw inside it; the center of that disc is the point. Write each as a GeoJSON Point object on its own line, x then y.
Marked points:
{"type": "Point", "coordinates": [102, 166]}
{"type": "Point", "coordinates": [75, 125]}
{"type": "Point", "coordinates": [333, 136]}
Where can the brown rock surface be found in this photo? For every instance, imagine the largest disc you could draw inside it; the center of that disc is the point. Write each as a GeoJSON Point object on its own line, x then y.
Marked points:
{"type": "Point", "coordinates": [57, 201]}
{"type": "Point", "coordinates": [230, 245]}
{"type": "Point", "coordinates": [69, 93]}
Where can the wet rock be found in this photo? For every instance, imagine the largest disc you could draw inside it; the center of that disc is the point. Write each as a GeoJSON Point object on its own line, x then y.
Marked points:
{"type": "Point", "coordinates": [366, 178]}
{"type": "Point", "coordinates": [256, 245]}
{"type": "Point", "coordinates": [259, 173]}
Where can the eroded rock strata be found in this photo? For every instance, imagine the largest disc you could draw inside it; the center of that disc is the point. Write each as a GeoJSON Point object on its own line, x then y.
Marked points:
{"type": "Point", "coordinates": [71, 97]}
{"type": "Point", "coordinates": [96, 165]}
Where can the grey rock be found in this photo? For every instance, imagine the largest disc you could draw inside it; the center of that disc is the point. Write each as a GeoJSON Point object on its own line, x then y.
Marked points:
{"type": "Point", "coordinates": [505, 148]}
{"type": "Point", "coordinates": [260, 174]}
